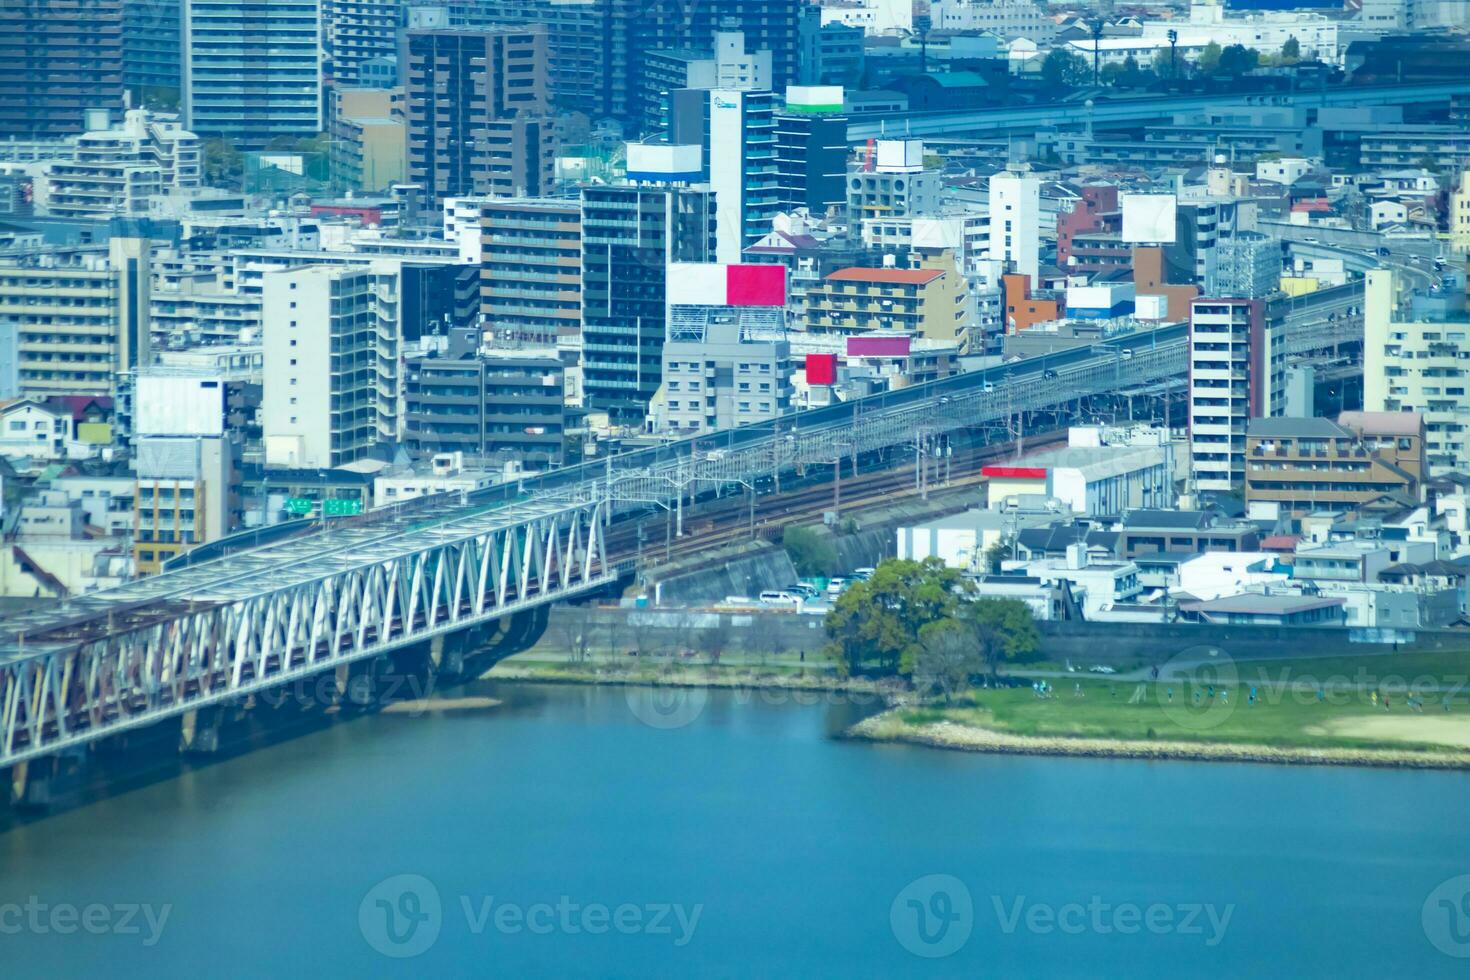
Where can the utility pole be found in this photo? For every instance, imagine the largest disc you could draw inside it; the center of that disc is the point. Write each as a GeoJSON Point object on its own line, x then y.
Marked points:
{"type": "Point", "coordinates": [1097, 34]}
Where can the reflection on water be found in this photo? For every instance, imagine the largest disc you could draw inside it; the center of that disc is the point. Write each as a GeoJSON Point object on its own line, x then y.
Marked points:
{"type": "Point", "coordinates": [577, 831]}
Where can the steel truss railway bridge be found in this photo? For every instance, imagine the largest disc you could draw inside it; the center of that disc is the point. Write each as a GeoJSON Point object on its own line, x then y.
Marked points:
{"type": "Point", "coordinates": [362, 588]}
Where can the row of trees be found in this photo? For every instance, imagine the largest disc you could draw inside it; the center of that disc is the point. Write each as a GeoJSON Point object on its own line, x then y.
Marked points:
{"type": "Point", "coordinates": [922, 620]}
{"type": "Point", "coordinates": [1067, 69]}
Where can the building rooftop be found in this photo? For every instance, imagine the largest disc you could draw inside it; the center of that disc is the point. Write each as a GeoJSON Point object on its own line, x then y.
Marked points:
{"type": "Point", "coordinates": [1261, 604]}
{"type": "Point", "coordinates": [1297, 428]}
{"type": "Point", "coordinates": [1383, 423]}
{"type": "Point", "coordinates": [908, 277]}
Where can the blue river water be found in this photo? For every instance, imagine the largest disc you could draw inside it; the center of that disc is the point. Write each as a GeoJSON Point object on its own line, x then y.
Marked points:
{"type": "Point", "coordinates": [563, 834]}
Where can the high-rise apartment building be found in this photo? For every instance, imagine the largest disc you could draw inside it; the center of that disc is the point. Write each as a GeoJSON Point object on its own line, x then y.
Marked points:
{"type": "Point", "coordinates": [58, 58]}
{"type": "Point", "coordinates": [531, 269]}
{"type": "Point", "coordinates": [737, 131]}
{"type": "Point", "coordinates": [152, 40]}
{"type": "Point", "coordinates": [1237, 372]}
{"type": "Point", "coordinates": [1015, 213]}
{"type": "Point", "coordinates": [331, 364]}
{"type": "Point", "coordinates": [252, 69]}
{"type": "Point", "coordinates": [728, 65]}
{"type": "Point", "coordinates": [630, 234]}
{"type": "Point", "coordinates": [80, 316]}
{"type": "Point", "coordinates": [475, 104]}
{"type": "Point", "coordinates": [355, 31]}
{"type": "Point", "coordinates": [1415, 362]}
{"type": "Point", "coordinates": [599, 48]}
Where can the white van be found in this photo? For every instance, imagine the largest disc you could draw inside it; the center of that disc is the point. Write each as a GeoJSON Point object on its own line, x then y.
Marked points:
{"type": "Point", "coordinates": [779, 597]}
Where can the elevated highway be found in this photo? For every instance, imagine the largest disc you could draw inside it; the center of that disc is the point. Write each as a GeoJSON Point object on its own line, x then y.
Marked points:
{"type": "Point", "coordinates": [1105, 112]}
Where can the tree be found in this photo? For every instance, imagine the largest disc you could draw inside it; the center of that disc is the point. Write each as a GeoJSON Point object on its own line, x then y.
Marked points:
{"type": "Point", "coordinates": [223, 163]}
{"type": "Point", "coordinates": [948, 657]}
{"type": "Point", "coordinates": [1064, 69]}
{"type": "Point", "coordinates": [1238, 59]}
{"type": "Point", "coordinates": [1004, 629]}
{"type": "Point", "coordinates": [1209, 58]}
{"type": "Point", "coordinates": [1291, 51]}
{"type": "Point", "coordinates": [810, 551]}
{"type": "Point", "coordinates": [996, 553]}
{"type": "Point", "coordinates": [877, 622]}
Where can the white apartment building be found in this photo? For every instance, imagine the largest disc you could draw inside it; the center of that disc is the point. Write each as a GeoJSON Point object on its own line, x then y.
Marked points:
{"type": "Point", "coordinates": [1008, 18]}
{"type": "Point", "coordinates": [1418, 363]}
{"type": "Point", "coordinates": [1237, 372]}
{"type": "Point", "coordinates": [331, 364]}
{"type": "Point", "coordinates": [873, 16]}
{"type": "Point", "coordinates": [1015, 215]}
{"type": "Point", "coordinates": [115, 171]}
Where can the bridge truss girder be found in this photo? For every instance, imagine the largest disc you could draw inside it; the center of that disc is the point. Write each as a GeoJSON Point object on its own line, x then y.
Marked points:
{"type": "Point", "coordinates": [215, 651]}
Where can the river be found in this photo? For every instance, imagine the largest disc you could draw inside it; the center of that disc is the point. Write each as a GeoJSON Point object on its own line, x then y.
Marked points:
{"type": "Point", "coordinates": [570, 832]}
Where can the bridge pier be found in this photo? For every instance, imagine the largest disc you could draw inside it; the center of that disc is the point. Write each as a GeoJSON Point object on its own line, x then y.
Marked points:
{"type": "Point", "coordinates": [199, 731]}
{"type": "Point", "coordinates": [37, 784]}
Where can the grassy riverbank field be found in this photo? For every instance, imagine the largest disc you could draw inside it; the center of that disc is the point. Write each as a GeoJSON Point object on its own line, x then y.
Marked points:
{"type": "Point", "coordinates": [1371, 710]}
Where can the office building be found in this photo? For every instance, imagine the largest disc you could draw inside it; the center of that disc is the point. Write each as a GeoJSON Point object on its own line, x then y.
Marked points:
{"type": "Point", "coordinates": [727, 361]}
{"type": "Point", "coordinates": [252, 70]}
{"type": "Point", "coordinates": [630, 234]}
{"type": "Point", "coordinates": [80, 316]}
{"type": "Point", "coordinates": [115, 171]}
{"type": "Point", "coordinates": [1416, 363]}
{"type": "Point", "coordinates": [495, 406]}
{"type": "Point", "coordinates": [369, 138]}
{"type": "Point", "coordinates": [531, 269]}
{"type": "Point", "coordinates": [811, 150]}
{"type": "Point", "coordinates": [58, 58]}
{"type": "Point", "coordinates": [188, 444]}
{"type": "Point", "coordinates": [331, 364]}
{"type": "Point", "coordinates": [1237, 373]}
{"type": "Point", "coordinates": [475, 104]}
{"type": "Point", "coordinates": [890, 180]}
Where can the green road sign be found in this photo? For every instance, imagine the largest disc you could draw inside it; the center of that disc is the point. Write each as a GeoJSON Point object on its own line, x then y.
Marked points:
{"type": "Point", "coordinates": [299, 505]}
{"type": "Point", "coordinates": [341, 508]}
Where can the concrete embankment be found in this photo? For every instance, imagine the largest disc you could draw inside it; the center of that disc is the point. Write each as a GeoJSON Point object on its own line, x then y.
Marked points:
{"type": "Point", "coordinates": [889, 727]}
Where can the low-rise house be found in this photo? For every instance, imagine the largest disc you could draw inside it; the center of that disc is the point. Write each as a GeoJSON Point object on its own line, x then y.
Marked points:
{"type": "Point", "coordinates": [1262, 609]}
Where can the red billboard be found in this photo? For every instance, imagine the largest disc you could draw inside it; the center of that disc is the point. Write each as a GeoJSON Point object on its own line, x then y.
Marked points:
{"type": "Point", "coordinates": [755, 285]}
{"type": "Point", "coordinates": [878, 346]}
{"type": "Point", "coordinates": [821, 369]}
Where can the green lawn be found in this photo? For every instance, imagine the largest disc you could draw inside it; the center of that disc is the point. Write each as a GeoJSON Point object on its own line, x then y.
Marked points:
{"type": "Point", "coordinates": [1282, 717]}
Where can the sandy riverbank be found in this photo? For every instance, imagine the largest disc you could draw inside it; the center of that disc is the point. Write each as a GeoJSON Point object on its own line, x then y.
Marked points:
{"type": "Point", "coordinates": [889, 727]}
{"type": "Point", "coordinates": [420, 706]}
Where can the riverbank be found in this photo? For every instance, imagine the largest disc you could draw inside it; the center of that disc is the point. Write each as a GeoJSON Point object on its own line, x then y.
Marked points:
{"type": "Point", "coordinates": [781, 677]}
{"type": "Point", "coordinates": [891, 726]}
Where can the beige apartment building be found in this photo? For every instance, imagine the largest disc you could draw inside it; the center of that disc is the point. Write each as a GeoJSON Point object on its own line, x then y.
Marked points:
{"type": "Point", "coordinates": [80, 316]}
{"type": "Point", "coordinates": [1310, 465]}
{"type": "Point", "coordinates": [925, 302]}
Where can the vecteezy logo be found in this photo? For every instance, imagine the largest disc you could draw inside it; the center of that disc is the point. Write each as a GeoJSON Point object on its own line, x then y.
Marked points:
{"type": "Point", "coordinates": [666, 705]}
{"type": "Point", "coordinates": [400, 917]}
{"type": "Point", "coordinates": [1197, 688]}
{"type": "Point", "coordinates": [1446, 917]}
{"type": "Point", "coordinates": [932, 916]}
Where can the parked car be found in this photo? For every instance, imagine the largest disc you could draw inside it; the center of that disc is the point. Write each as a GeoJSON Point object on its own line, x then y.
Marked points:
{"type": "Point", "coordinates": [835, 587]}
{"type": "Point", "coordinates": [779, 597]}
{"type": "Point", "coordinates": [1101, 669]}
{"type": "Point", "coordinates": [802, 589]}
{"type": "Point", "coordinates": [863, 574]}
